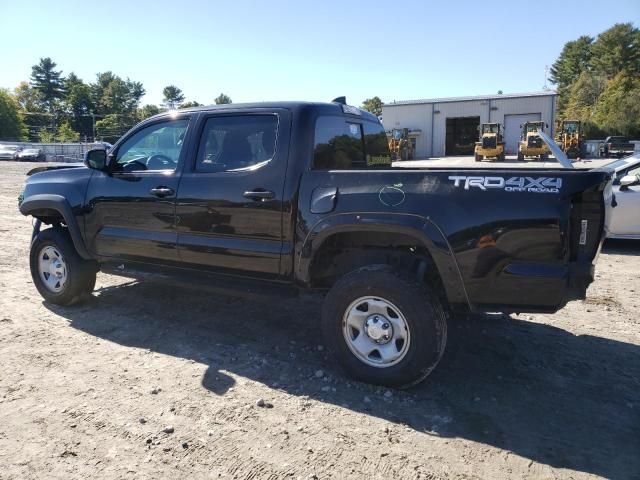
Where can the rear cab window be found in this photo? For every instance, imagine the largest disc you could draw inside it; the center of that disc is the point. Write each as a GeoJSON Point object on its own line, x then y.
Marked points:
{"type": "Point", "coordinates": [345, 144]}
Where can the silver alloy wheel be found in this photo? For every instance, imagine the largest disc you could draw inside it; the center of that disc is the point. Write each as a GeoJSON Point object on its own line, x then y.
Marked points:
{"type": "Point", "coordinates": [52, 269]}
{"type": "Point", "coordinates": [376, 331]}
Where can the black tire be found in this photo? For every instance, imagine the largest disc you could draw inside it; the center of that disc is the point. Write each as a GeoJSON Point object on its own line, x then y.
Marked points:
{"type": "Point", "coordinates": [520, 157]}
{"type": "Point", "coordinates": [478, 157]}
{"type": "Point", "coordinates": [80, 273]}
{"type": "Point", "coordinates": [421, 308]}
{"type": "Point", "coordinates": [501, 157]}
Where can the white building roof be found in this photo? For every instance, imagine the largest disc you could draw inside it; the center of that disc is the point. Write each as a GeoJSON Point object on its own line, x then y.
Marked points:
{"type": "Point", "coordinates": [546, 93]}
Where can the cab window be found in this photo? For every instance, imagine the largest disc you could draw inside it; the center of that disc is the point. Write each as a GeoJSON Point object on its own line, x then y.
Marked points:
{"type": "Point", "coordinates": [338, 144]}
{"type": "Point", "coordinates": [156, 147]}
{"type": "Point", "coordinates": [341, 144]}
{"type": "Point", "coordinates": [376, 145]}
{"type": "Point", "coordinates": [235, 143]}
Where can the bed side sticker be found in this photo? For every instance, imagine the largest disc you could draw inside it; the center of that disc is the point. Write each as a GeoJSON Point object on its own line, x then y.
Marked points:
{"type": "Point", "coordinates": [511, 184]}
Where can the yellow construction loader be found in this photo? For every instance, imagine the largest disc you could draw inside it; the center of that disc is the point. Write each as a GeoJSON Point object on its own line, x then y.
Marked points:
{"type": "Point", "coordinates": [531, 144]}
{"type": "Point", "coordinates": [569, 137]}
{"type": "Point", "coordinates": [491, 144]}
{"type": "Point", "coordinates": [400, 144]}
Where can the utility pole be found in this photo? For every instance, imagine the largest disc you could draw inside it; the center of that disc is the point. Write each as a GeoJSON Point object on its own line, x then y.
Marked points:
{"type": "Point", "coordinates": [546, 74]}
{"type": "Point", "coordinates": [93, 123]}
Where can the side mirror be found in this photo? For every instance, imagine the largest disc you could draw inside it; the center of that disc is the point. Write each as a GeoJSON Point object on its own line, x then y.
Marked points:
{"type": "Point", "coordinates": [629, 180]}
{"type": "Point", "coordinates": [96, 159]}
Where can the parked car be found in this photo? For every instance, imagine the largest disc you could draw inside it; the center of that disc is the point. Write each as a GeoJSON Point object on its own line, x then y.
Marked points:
{"type": "Point", "coordinates": [31, 154]}
{"type": "Point", "coordinates": [616, 146]}
{"type": "Point", "coordinates": [270, 199]}
{"type": "Point", "coordinates": [9, 152]}
{"type": "Point", "coordinates": [625, 217]}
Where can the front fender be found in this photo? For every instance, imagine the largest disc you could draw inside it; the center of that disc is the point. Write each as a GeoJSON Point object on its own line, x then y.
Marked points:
{"type": "Point", "coordinates": [41, 202]}
{"type": "Point", "coordinates": [425, 231]}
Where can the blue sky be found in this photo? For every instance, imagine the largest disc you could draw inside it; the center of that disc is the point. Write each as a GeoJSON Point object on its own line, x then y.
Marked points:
{"type": "Point", "coordinates": [296, 50]}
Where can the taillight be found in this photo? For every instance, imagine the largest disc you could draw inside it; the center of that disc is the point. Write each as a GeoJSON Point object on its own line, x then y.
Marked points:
{"type": "Point", "coordinates": [587, 222]}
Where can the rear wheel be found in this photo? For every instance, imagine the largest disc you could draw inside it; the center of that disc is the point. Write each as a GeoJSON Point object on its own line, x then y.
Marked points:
{"type": "Point", "coordinates": [58, 272]}
{"type": "Point", "coordinates": [384, 328]}
{"type": "Point", "coordinates": [520, 157]}
{"type": "Point", "coordinates": [478, 157]}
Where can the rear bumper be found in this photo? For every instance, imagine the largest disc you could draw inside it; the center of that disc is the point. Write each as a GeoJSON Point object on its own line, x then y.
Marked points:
{"type": "Point", "coordinates": [533, 287]}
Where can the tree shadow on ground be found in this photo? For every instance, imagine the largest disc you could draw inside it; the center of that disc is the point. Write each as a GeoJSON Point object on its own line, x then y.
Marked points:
{"type": "Point", "coordinates": [535, 390]}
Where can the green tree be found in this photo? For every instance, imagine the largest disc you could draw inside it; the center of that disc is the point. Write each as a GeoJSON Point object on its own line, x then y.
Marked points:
{"type": "Point", "coordinates": [373, 105]}
{"type": "Point", "coordinates": [113, 126]}
{"type": "Point", "coordinates": [48, 82]}
{"type": "Point", "coordinates": [173, 97]}
{"type": "Point", "coordinates": [78, 103]}
{"type": "Point", "coordinates": [573, 60]}
{"type": "Point", "coordinates": [617, 50]}
{"type": "Point", "coordinates": [67, 134]}
{"type": "Point", "coordinates": [190, 104]}
{"type": "Point", "coordinates": [581, 101]}
{"type": "Point", "coordinates": [46, 136]}
{"type": "Point", "coordinates": [222, 99]}
{"type": "Point", "coordinates": [29, 99]}
{"type": "Point", "coordinates": [147, 111]}
{"type": "Point", "coordinates": [12, 126]}
{"type": "Point", "coordinates": [113, 95]}
{"type": "Point", "coordinates": [618, 108]}
{"type": "Point", "coordinates": [32, 108]}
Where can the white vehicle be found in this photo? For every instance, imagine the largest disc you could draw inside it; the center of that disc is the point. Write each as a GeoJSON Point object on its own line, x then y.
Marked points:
{"type": "Point", "coordinates": [625, 217]}
{"type": "Point", "coordinates": [9, 152]}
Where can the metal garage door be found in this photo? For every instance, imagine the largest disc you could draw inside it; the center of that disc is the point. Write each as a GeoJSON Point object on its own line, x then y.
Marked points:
{"type": "Point", "coordinates": [512, 129]}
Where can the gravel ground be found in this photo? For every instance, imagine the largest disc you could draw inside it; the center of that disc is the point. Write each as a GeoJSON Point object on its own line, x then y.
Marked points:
{"type": "Point", "coordinates": [144, 381]}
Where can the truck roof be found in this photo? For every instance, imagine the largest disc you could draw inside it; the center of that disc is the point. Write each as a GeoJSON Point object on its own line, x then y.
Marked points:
{"type": "Point", "coordinates": [326, 108]}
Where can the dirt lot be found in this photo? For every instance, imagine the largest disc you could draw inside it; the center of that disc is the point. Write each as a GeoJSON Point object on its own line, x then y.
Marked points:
{"type": "Point", "coordinates": [87, 391]}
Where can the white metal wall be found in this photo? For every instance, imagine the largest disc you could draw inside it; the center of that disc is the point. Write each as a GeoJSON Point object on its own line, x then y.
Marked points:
{"type": "Point", "coordinates": [431, 142]}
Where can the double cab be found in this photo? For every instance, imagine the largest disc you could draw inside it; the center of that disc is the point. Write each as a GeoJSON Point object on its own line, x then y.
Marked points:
{"type": "Point", "coordinates": [274, 198]}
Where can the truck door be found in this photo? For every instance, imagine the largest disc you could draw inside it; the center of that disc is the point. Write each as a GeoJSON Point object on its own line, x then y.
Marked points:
{"type": "Point", "coordinates": [230, 199]}
{"type": "Point", "coordinates": [131, 208]}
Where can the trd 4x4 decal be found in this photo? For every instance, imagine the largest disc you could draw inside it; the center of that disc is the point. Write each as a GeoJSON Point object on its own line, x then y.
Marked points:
{"type": "Point", "coordinates": [512, 184]}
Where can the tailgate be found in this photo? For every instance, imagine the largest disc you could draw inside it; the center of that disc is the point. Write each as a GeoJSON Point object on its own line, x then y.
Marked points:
{"type": "Point", "coordinates": [589, 219]}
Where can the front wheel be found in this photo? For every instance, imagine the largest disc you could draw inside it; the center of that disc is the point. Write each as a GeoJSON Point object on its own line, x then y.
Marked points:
{"type": "Point", "coordinates": [384, 328]}
{"type": "Point", "coordinates": [58, 272]}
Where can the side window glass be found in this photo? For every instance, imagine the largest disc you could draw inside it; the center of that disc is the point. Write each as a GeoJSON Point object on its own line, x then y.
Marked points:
{"type": "Point", "coordinates": [156, 147]}
{"type": "Point", "coordinates": [376, 145]}
{"type": "Point", "coordinates": [338, 144]}
{"type": "Point", "coordinates": [231, 143]}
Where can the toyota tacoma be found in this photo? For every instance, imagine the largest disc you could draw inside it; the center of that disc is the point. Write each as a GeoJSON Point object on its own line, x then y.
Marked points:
{"type": "Point", "coordinates": [273, 198]}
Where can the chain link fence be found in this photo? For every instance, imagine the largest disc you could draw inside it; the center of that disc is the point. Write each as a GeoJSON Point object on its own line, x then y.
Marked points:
{"type": "Point", "coordinates": [61, 152]}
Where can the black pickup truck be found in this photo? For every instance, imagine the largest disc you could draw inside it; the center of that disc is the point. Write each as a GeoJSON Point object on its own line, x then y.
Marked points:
{"type": "Point", "coordinates": [616, 147]}
{"type": "Point", "coordinates": [273, 198]}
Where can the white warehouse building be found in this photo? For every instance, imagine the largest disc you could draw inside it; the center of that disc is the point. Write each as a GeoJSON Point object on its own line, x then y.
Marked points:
{"type": "Point", "coordinates": [449, 126]}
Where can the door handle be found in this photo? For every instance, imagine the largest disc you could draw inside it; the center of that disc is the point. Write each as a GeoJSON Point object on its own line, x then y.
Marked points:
{"type": "Point", "coordinates": [260, 195]}
{"type": "Point", "coordinates": [162, 191]}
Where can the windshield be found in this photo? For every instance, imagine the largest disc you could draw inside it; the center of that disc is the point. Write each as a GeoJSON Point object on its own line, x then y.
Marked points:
{"type": "Point", "coordinates": [490, 128]}
{"type": "Point", "coordinates": [533, 127]}
{"type": "Point", "coordinates": [571, 127]}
